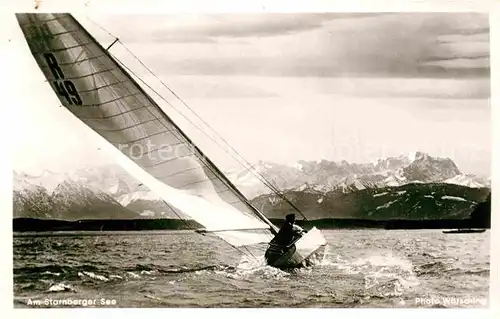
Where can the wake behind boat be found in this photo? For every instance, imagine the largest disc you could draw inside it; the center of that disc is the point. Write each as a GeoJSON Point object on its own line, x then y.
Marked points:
{"type": "Point", "coordinates": [96, 88]}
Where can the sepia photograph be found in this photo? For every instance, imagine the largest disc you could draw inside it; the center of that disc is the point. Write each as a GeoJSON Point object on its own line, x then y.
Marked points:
{"type": "Point", "coordinates": [250, 160]}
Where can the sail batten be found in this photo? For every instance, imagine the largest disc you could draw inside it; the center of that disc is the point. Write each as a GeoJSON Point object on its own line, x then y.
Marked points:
{"type": "Point", "coordinates": [96, 89]}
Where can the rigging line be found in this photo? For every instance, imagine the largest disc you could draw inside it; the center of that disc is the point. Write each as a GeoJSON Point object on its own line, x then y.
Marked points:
{"type": "Point", "coordinates": [179, 216]}
{"type": "Point", "coordinates": [181, 138]}
{"type": "Point", "coordinates": [168, 205]}
{"type": "Point", "coordinates": [200, 155]}
{"type": "Point", "coordinates": [201, 158]}
{"type": "Point", "coordinates": [188, 226]}
{"type": "Point", "coordinates": [154, 116]}
{"type": "Point", "coordinates": [109, 33]}
{"type": "Point", "coordinates": [100, 65]}
{"type": "Point", "coordinates": [228, 183]}
{"type": "Point", "coordinates": [182, 219]}
{"type": "Point", "coordinates": [259, 176]}
{"type": "Point", "coordinates": [253, 171]}
{"type": "Point", "coordinates": [250, 253]}
{"type": "Point", "coordinates": [241, 251]}
{"type": "Point", "coordinates": [191, 227]}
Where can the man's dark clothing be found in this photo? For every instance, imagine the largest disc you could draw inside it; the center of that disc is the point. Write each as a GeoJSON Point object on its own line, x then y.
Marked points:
{"type": "Point", "coordinates": [287, 234]}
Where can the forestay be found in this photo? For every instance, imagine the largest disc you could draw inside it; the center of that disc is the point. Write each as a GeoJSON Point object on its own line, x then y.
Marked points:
{"type": "Point", "coordinates": [97, 90]}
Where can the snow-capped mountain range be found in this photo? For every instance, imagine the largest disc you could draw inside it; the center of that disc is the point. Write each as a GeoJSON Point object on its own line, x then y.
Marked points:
{"type": "Point", "coordinates": [418, 201]}
{"type": "Point", "coordinates": [325, 176]}
{"type": "Point", "coordinates": [116, 193]}
{"type": "Point", "coordinates": [104, 192]}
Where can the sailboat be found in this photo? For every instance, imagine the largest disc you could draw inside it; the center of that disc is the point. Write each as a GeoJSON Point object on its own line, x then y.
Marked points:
{"type": "Point", "coordinates": [464, 231]}
{"type": "Point", "coordinates": [96, 88]}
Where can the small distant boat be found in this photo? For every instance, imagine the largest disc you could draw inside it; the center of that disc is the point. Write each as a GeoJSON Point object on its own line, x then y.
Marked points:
{"type": "Point", "coordinates": [464, 231]}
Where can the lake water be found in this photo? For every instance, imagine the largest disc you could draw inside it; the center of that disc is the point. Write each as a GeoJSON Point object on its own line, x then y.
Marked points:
{"type": "Point", "coordinates": [361, 268]}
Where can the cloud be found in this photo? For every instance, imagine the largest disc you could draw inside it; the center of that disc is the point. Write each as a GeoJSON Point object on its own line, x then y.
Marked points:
{"type": "Point", "coordinates": [208, 28]}
{"type": "Point", "coordinates": [474, 63]}
{"type": "Point", "coordinates": [393, 45]}
{"type": "Point", "coordinates": [470, 89]}
{"type": "Point", "coordinates": [401, 45]}
{"type": "Point", "coordinates": [333, 89]}
{"type": "Point", "coordinates": [203, 87]}
{"type": "Point", "coordinates": [169, 38]}
{"type": "Point", "coordinates": [250, 25]}
{"type": "Point", "coordinates": [211, 27]}
{"type": "Point", "coordinates": [257, 25]}
{"type": "Point", "coordinates": [397, 45]}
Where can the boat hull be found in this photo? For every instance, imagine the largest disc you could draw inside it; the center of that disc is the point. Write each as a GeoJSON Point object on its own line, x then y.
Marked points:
{"type": "Point", "coordinates": [302, 253]}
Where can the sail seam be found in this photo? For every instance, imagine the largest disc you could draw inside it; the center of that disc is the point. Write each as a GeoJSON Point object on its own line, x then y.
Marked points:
{"type": "Point", "coordinates": [120, 100]}
{"type": "Point", "coordinates": [65, 49]}
{"type": "Point", "coordinates": [115, 115]}
{"type": "Point", "coordinates": [131, 126]}
{"type": "Point", "coordinates": [259, 176]}
{"type": "Point", "coordinates": [169, 160]}
{"type": "Point", "coordinates": [181, 172]}
{"type": "Point", "coordinates": [81, 61]}
{"type": "Point", "coordinates": [37, 21]}
{"type": "Point", "coordinates": [200, 156]}
{"type": "Point", "coordinates": [63, 33]}
{"type": "Point", "coordinates": [97, 88]}
{"type": "Point", "coordinates": [225, 191]}
{"type": "Point", "coordinates": [90, 74]}
{"type": "Point", "coordinates": [159, 148]}
{"type": "Point", "coordinates": [115, 99]}
{"type": "Point", "coordinates": [203, 159]}
{"type": "Point", "coordinates": [225, 181]}
{"type": "Point", "coordinates": [140, 139]}
{"type": "Point", "coordinates": [121, 104]}
{"type": "Point", "coordinates": [200, 181]}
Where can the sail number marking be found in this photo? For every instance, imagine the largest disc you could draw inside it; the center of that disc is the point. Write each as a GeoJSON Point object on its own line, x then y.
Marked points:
{"type": "Point", "coordinates": [63, 87]}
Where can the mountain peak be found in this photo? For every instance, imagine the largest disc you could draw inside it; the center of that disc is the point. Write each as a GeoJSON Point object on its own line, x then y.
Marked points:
{"type": "Point", "coordinates": [430, 169]}
{"type": "Point", "coordinates": [420, 156]}
{"type": "Point", "coordinates": [412, 156]}
{"type": "Point", "coordinates": [389, 171]}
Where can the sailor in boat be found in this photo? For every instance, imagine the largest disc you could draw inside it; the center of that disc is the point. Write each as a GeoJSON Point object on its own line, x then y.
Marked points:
{"type": "Point", "coordinates": [283, 243]}
{"type": "Point", "coordinates": [288, 233]}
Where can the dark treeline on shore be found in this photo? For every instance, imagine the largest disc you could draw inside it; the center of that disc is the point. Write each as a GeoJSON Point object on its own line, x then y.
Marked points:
{"type": "Point", "coordinates": [40, 225]}
{"type": "Point", "coordinates": [479, 218]}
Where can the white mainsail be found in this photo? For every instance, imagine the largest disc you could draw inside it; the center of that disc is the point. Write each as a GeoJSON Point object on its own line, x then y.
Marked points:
{"type": "Point", "coordinates": [98, 91]}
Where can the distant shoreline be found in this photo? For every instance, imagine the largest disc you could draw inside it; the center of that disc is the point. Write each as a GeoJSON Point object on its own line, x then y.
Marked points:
{"type": "Point", "coordinates": [22, 225]}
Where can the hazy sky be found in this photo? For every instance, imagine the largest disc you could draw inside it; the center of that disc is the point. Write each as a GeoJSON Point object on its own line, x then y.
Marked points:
{"type": "Point", "coordinates": [285, 87]}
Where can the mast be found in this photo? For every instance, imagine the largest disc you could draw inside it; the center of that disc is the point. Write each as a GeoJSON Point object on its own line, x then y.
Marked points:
{"type": "Point", "coordinates": [228, 183]}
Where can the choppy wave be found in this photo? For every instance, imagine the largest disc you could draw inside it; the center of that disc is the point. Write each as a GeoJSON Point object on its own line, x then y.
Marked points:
{"type": "Point", "coordinates": [92, 272]}
{"type": "Point", "coordinates": [357, 269]}
{"type": "Point", "coordinates": [384, 275]}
